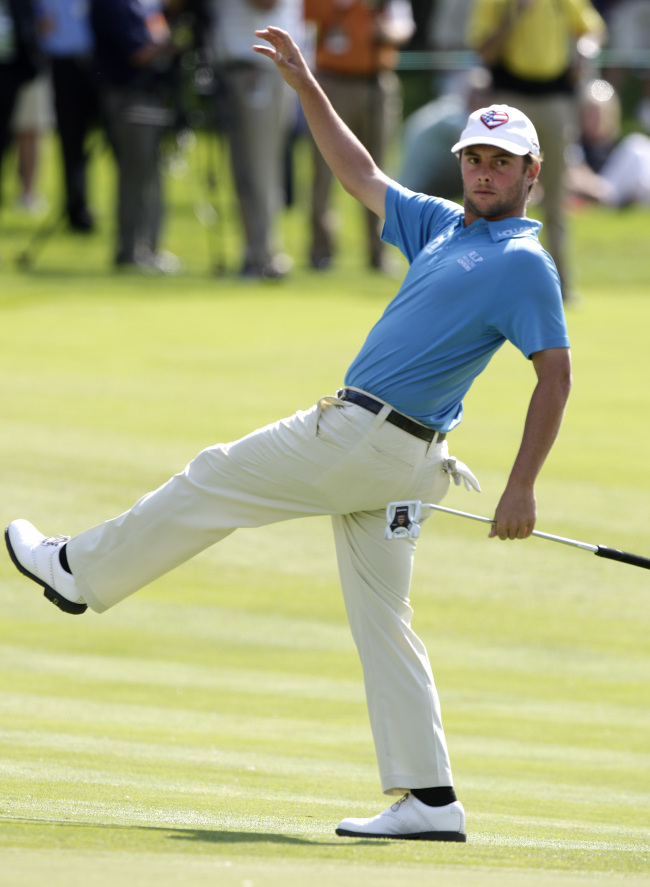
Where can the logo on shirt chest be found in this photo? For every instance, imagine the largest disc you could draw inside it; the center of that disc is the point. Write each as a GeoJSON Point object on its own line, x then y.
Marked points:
{"type": "Point", "coordinates": [470, 260]}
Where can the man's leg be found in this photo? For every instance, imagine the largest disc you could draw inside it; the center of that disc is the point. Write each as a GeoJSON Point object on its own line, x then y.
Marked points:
{"type": "Point", "coordinates": [119, 131]}
{"type": "Point", "coordinates": [401, 694]}
{"type": "Point", "coordinates": [265, 477]}
{"type": "Point", "coordinates": [556, 129]}
{"type": "Point", "coordinates": [347, 95]}
{"type": "Point", "coordinates": [322, 245]}
{"type": "Point", "coordinates": [377, 122]}
{"type": "Point", "coordinates": [402, 698]}
{"type": "Point", "coordinates": [11, 79]}
{"type": "Point", "coordinates": [318, 461]}
{"type": "Point", "coordinates": [260, 105]}
{"type": "Point", "coordinates": [76, 108]}
{"type": "Point", "coordinates": [135, 129]}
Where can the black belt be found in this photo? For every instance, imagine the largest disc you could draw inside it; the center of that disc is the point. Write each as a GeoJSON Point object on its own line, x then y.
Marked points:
{"type": "Point", "coordinates": [395, 418]}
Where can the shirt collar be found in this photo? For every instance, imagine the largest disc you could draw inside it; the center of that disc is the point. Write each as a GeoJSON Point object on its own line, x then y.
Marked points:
{"type": "Point", "coordinates": [505, 229]}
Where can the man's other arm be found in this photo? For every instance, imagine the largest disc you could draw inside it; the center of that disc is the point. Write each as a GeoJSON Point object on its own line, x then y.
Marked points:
{"type": "Point", "coordinates": [516, 512]}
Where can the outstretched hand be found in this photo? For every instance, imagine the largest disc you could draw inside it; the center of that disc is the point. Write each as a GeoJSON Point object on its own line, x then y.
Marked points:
{"type": "Point", "coordinates": [286, 55]}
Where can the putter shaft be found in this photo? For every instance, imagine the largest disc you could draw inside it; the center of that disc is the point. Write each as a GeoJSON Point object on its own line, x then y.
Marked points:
{"type": "Point", "coordinates": [486, 520]}
{"type": "Point", "coordinates": [614, 554]}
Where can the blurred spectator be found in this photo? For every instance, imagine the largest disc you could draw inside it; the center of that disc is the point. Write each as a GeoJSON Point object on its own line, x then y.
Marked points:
{"type": "Point", "coordinates": [530, 49]}
{"type": "Point", "coordinates": [20, 60]}
{"type": "Point", "coordinates": [428, 166]}
{"type": "Point", "coordinates": [625, 175]}
{"type": "Point", "coordinates": [602, 168]}
{"type": "Point", "coordinates": [599, 120]}
{"type": "Point", "coordinates": [447, 36]}
{"type": "Point", "coordinates": [422, 11]}
{"type": "Point", "coordinates": [33, 117]}
{"type": "Point", "coordinates": [134, 55]}
{"type": "Point", "coordinates": [448, 24]}
{"type": "Point", "coordinates": [356, 54]}
{"type": "Point", "coordinates": [66, 38]}
{"type": "Point", "coordinates": [260, 114]}
{"type": "Point", "coordinates": [629, 34]}
{"type": "Point", "coordinates": [603, 7]}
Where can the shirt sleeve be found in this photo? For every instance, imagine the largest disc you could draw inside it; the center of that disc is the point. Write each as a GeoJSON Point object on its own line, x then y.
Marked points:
{"type": "Point", "coordinates": [532, 315]}
{"type": "Point", "coordinates": [413, 220]}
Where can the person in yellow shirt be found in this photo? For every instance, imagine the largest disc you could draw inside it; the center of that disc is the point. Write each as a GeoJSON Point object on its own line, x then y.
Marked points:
{"type": "Point", "coordinates": [530, 47]}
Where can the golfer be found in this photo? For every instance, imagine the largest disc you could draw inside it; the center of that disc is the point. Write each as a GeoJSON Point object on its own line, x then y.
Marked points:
{"type": "Point", "coordinates": [478, 277]}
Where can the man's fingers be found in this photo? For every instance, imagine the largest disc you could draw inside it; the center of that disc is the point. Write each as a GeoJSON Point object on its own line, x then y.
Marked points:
{"type": "Point", "coordinates": [514, 516]}
{"type": "Point", "coordinates": [505, 531]}
{"type": "Point", "coordinates": [265, 50]}
{"type": "Point", "coordinates": [267, 33]}
{"type": "Point", "coordinates": [280, 41]}
{"type": "Point", "coordinates": [275, 36]}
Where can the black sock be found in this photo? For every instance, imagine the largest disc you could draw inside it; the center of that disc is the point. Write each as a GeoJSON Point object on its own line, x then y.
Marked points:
{"type": "Point", "coordinates": [439, 796]}
{"type": "Point", "coordinates": [63, 560]}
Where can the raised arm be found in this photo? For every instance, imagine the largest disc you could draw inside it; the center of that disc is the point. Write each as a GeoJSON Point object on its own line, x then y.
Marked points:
{"type": "Point", "coordinates": [343, 152]}
{"type": "Point", "coordinates": [515, 515]}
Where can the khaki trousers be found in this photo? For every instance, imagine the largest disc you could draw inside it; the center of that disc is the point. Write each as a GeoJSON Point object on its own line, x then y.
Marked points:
{"type": "Point", "coordinates": [335, 458]}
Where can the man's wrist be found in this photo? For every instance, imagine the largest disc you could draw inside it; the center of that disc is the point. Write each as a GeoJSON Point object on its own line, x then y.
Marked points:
{"type": "Point", "coordinates": [522, 485]}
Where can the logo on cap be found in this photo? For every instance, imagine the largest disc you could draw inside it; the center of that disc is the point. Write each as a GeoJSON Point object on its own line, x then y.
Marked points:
{"type": "Point", "coordinates": [492, 118]}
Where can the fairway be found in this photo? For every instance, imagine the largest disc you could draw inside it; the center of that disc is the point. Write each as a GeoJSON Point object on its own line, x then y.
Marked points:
{"type": "Point", "coordinates": [212, 729]}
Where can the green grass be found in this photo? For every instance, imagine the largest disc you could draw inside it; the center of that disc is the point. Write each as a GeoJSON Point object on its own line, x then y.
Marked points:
{"type": "Point", "coordinates": [212, 728]}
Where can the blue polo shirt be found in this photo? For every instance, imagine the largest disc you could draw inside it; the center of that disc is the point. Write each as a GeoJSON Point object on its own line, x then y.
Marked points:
{"type": "Point", "coordinates": [467, 291]}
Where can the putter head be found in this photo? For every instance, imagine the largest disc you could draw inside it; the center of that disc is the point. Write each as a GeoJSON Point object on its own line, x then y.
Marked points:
{"type": "Point", "coordinates": [402, 519]}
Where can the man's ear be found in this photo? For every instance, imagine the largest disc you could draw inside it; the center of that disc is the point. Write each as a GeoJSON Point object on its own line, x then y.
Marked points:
{"type": "Point", "coordinates": [533, 171]}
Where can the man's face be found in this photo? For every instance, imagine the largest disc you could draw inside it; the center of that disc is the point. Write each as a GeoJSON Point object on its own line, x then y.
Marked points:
{"type": "Point", "coordinates": [495, 183]}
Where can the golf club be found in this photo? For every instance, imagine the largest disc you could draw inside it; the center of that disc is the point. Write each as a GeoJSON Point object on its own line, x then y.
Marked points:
{"type": "Point", "coordinates": [403, 521]}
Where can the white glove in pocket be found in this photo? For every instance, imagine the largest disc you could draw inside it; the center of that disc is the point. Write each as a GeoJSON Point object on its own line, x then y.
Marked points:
{"type": "Point", "coordinates": [460, 474]}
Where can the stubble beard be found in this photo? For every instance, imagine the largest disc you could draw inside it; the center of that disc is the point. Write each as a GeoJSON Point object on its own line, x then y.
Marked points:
{"type": "Point", "coordinates": [505, 208]}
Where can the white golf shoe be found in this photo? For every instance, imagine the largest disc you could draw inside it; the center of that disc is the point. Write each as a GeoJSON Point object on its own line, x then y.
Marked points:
{"type": "Point", "coordinates": [412, 820]}
{"type": "Point", "coordinates": [37, 557]}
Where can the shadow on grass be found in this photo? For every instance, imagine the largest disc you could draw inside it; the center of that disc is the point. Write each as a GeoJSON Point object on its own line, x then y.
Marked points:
{"type": "Point", "coordinates": [208, 836]}
{"type": "Point", "coordinates": [228, 837]}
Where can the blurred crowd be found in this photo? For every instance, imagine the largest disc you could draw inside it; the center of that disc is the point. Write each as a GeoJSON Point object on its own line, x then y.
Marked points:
{"type": "Point", "coordinates": [123, 73]}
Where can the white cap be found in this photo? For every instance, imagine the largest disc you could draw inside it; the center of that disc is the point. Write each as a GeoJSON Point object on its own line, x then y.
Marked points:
{"type": "Point", "coordinates": [502, 126]}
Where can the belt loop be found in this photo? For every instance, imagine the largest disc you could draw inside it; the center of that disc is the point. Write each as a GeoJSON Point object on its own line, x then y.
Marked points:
{"type": "Point", "coordinates": [433, 444]}
{"type": "Point", "coordinates": [382, 415]}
